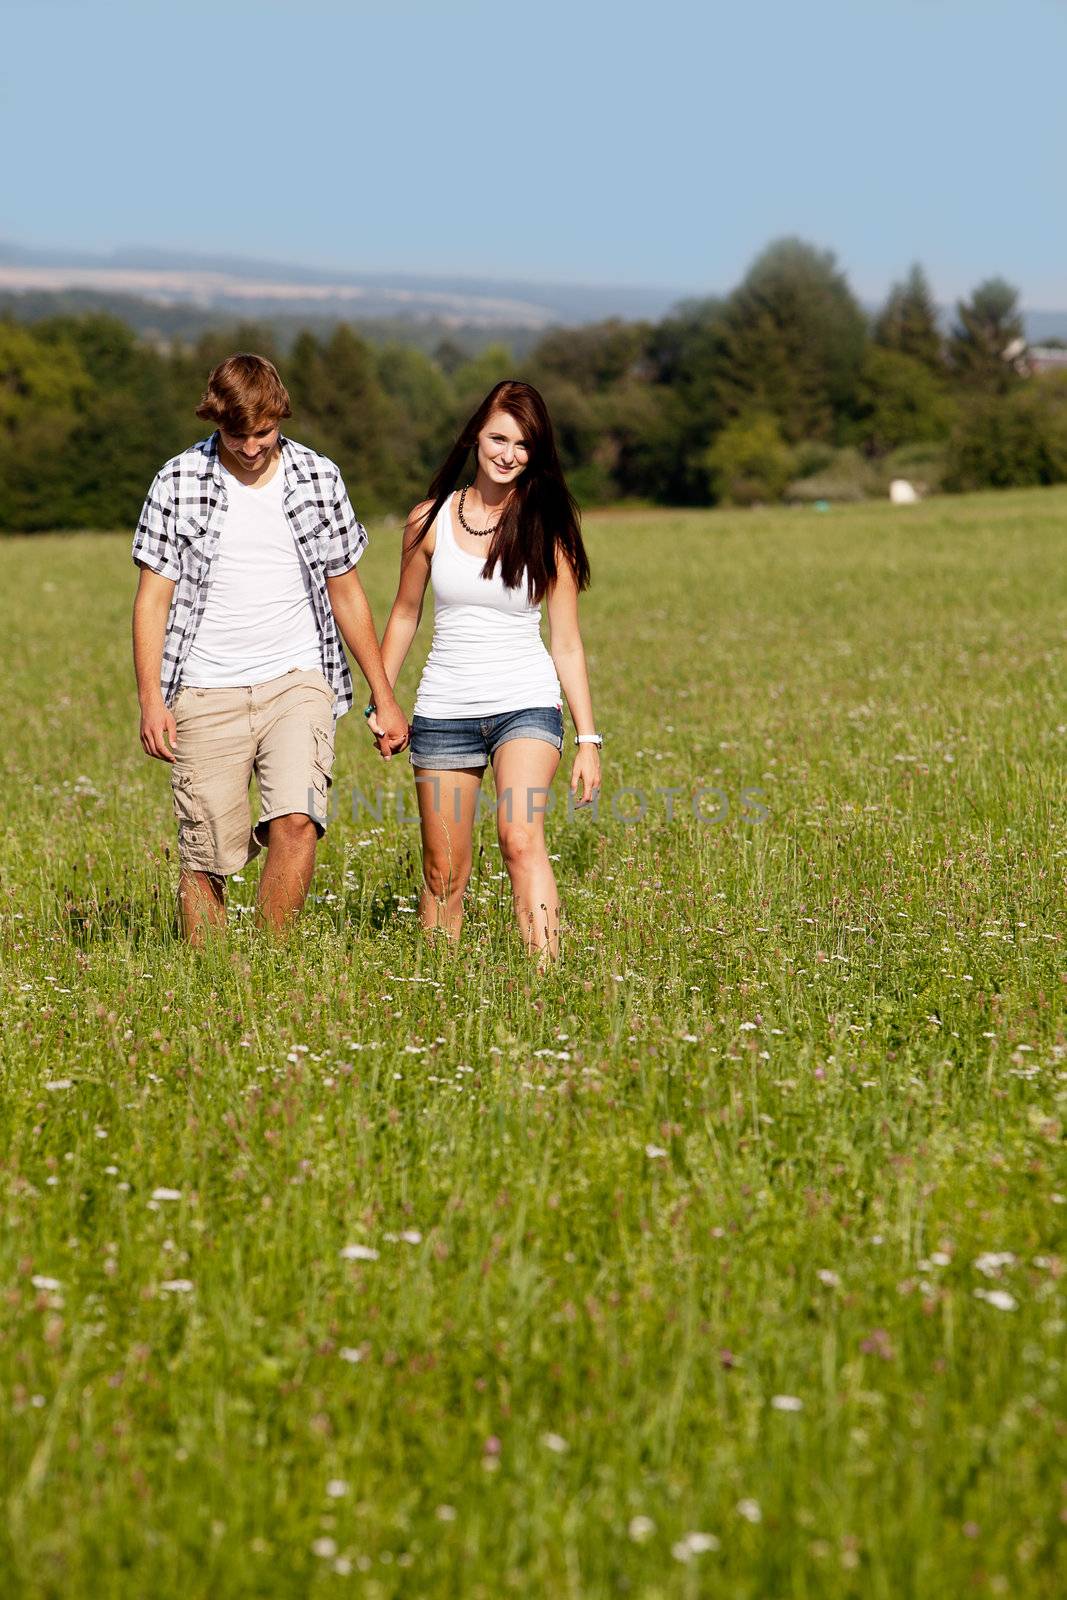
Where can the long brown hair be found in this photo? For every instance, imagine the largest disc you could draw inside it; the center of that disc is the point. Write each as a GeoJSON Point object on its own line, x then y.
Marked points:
{"type": "Point", "coordinates": [541, 511]}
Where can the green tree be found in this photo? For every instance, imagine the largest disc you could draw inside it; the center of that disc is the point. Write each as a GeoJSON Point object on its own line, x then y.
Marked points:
{"type": "Point", "coordinates": [908, 323]}
{"type": "Point", "coordinates": [749, 462]}
{"type": "Point", "coordinates": [792, 343]}
{"type": "Point", "coordinates": [899, 401]}
{"type": "Point", "coordinates": [39, 375]}
{"type": "Point", "coordinates": [472, 380]}
{"type": "Point", "coordinates": [685, 352]}
{"type": "Point", "coordinates": [644, 422]}
{"type": "Point", "coordinates": [988, 338]}
{"type": "Point", "coordinates": [1014, 440]}
{"type": "Point", "coordinates": [422, 397]}
{"type": "Point", "coordinates": [341, 408]}
{"type": "Point", "coordinates": [126, 430]}
{"type": "Point", "coordinates": [593, 358]}
{"type": "Point", "coordinates": [44, 387]}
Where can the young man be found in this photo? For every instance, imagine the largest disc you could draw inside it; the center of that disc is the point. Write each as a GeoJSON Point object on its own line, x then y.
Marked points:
{"type": "Point", "coordinates": [247, 546]}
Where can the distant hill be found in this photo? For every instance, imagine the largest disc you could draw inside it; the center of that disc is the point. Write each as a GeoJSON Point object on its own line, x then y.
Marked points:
{"type": "Point", "coordinates": [165, 325]}
{"type": "Point", "coordinates": [239, 288]}
{"type": "Point", "coordinates": [178, 295]}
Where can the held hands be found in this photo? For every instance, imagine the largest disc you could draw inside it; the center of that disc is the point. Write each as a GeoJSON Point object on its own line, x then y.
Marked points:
{"type": "Point", "coordinates": [585, 775]}
{"type": "Point", "coordinates": [158, 729]}
{"type": "Point", "coordinates": [390, 728]}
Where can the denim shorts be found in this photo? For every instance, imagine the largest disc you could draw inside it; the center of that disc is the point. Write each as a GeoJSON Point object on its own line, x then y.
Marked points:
{"type": "Point", "coordinates": [447, 743]}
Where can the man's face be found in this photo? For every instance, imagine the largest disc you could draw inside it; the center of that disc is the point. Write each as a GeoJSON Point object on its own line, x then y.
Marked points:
{"type": "Point", "coordinates": [252, 450]}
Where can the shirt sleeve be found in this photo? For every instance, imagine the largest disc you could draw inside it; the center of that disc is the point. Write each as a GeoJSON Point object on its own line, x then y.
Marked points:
{"type": "Point", "coordinates": [348, 537]}
{"type": "Point", "coordinates": [154, 543]}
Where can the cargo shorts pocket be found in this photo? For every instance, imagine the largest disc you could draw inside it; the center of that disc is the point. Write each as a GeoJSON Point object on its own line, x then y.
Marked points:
{"type": "Point", "coordinates": [321, 774]}
{"type": "Point", "coordinates": [193, 833]}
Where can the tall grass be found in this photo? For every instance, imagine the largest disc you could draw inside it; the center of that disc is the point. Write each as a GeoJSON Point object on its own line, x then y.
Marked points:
{"type": "Point", "coordinates": [725, 1259]}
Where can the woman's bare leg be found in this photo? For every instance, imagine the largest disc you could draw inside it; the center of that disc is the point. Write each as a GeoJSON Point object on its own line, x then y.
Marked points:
{"type": "Point", "coordinates": [448, 801]}
{"type": "Point", "coordinates": [524, 769]}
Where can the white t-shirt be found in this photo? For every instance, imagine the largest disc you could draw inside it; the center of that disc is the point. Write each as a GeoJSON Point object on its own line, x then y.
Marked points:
{"type": "Point", "coordinates": [258, 618]}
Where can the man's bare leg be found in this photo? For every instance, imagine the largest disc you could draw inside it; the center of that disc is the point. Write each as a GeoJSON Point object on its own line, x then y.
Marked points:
{"type": "Point", "coordinates": [202, 900]}
{"type": "Point", "coordinates": [291, 842]}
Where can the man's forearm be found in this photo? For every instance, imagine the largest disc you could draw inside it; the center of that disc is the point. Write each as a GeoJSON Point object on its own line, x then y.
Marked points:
{"type": "Point", "coordinates": [149, 632]}
{"type": "Point", "coordinates": [356, 624]}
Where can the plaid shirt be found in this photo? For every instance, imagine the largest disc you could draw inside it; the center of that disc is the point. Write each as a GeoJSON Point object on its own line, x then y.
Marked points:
{"type": "Point", "coordinates": [178, 536]}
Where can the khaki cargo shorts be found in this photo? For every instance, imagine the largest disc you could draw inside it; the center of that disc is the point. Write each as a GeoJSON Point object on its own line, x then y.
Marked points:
{"type": "Point", "coordinates": [282, 731]}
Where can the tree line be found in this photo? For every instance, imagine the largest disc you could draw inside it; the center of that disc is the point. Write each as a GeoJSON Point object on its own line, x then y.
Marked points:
{"type": "Point", "coordinates": [783, 389]}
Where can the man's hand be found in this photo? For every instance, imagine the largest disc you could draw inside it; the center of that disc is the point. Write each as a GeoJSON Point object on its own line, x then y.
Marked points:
{"type": "Point", "coordinates": [158, 727]}
{"type": "Point", "coordinates": [390, 728]}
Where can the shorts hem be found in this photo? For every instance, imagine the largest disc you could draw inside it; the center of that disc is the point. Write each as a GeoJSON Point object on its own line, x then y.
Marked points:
{"type": "Point", "coordinates": [448, 763]}
{"type": "Point", "coordinates": [215, 871]}
{"type": "Point", "coordinates": [288, 811]}
{"type": "Point", "coordinates": [530, 733]}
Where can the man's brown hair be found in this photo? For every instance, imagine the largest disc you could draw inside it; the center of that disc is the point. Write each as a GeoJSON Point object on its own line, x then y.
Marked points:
{"type": "Point", "coordinates": [243, 392]}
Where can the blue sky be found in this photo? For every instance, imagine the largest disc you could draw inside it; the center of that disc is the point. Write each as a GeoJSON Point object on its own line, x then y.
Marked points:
{"type": "Point", "coordinates": [661, 144]}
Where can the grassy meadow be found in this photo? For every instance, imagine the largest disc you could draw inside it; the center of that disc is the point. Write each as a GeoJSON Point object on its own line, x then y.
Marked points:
{"type": "Point", "coordinates": [725, 1260]}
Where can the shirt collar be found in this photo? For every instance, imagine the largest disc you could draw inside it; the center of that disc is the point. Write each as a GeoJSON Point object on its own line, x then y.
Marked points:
{"type": "Point", "coordinates": [293, 469]}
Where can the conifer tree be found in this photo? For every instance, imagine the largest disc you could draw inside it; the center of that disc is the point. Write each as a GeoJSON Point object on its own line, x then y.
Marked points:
{"type": "Point", "coordinates": [907, 322]}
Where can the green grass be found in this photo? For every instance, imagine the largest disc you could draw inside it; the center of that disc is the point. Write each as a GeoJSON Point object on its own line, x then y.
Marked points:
{"type": "Point", "coordinates": [794, 1091]}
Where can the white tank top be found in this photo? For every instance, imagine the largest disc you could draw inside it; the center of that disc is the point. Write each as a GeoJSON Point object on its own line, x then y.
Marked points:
{"type": "Point", "coordinates": [487, 654]}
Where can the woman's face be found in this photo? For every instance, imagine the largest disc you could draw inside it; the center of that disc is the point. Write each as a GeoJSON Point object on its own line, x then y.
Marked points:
{"type": "Point", "coordinates": [502, 450]}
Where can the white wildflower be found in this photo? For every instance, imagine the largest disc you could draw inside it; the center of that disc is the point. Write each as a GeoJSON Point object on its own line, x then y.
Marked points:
{"type": "Point", "coordinates": [166, 1194]}
{"type": "Point", "coordinates": [1000, 1299]}
{"type": "Point", "coordinates": [39, 1281]}
{"type": "Point", "coordinates": [828, 1277]}
{"type": "Point", "coordinates": [176, 1286]}
{"type": "Point", "coordinates": [350, 1354]}
{"type": "Point", "coordinates": [358, 1252]}
{"type": "Point", "coordinates": [641, 1528]}
{"type": "Point", "coordinates": [694, 1544]}
{"type": "Point", "coordinates": [326, 1548]}
{"type": "Point", "coordinates": [992, 1262]}
{"type": "Point", "coordinates": [654, 1152]}
{"type": "Point", "coordinates": [787, 1402]}
{"type": "Point", "coordinates": [336, 1489]}
{"type": "Point", "coordinates": [554, 1441]}
{"type": "Point", "coordinates": [750, 1510]}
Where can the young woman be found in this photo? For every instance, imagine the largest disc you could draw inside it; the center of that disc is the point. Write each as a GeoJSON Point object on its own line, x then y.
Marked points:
{"type": "Point", "coordinates": [490, 691]}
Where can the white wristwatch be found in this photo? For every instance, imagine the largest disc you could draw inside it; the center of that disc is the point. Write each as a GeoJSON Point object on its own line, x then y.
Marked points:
{"type": "Point", "coordinates": [589, 738]}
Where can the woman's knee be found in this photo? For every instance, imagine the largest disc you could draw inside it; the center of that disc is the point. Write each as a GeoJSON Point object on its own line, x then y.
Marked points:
{"type": "Point", "coordinates": [521, 845]}
{"type": "Point", "coordinates": [445, 878]}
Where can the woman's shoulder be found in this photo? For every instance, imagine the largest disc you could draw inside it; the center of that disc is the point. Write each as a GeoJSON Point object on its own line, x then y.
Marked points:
{"type": "Point", "coordinates": [416, 517]}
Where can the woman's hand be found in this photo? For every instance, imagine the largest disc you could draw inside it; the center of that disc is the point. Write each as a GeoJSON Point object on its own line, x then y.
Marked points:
{"type": "Point", "coordinates": [390, 729]}
{"type": "Point", "coordinates": [585, 774]}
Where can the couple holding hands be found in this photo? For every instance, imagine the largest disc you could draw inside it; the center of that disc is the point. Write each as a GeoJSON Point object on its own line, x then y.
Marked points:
{"type": "Point", "coordinates": [247, 547]}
